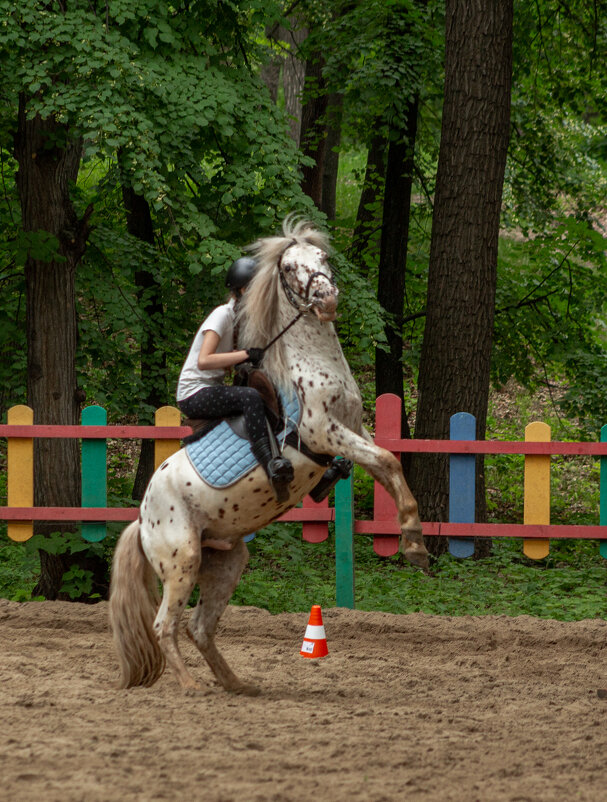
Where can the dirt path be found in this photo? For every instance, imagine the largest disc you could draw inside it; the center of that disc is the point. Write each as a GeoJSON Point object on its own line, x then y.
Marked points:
{"type": "Point", "coordinates": [404, 707]}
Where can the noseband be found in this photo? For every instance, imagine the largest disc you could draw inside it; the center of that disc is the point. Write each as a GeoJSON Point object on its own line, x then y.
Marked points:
{"type": "Point", "coordinates": [299, 300]}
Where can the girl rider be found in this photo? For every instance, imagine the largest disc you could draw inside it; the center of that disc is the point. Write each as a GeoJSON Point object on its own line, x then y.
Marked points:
{"type": "Point", "coordinates": [201, 392]}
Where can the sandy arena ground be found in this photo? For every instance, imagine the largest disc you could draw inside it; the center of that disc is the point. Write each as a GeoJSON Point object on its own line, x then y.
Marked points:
{"type": "Point", "coordinates": [409, 707]}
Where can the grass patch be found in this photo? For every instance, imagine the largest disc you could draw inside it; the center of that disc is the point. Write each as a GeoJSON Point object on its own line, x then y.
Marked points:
{"type": "Point", "coordinates": [286, 574]}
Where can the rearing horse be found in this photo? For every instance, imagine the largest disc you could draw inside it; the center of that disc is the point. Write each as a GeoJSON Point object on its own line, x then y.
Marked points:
{"type": "Point", "coordinates": [189, 533]}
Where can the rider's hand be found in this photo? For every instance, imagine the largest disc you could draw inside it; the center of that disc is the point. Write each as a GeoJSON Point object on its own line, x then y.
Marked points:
{"type": "Point", "coordinates": [255, 356]}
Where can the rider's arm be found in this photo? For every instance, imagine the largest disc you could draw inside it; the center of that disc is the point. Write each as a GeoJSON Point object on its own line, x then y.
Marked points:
{"type": "Point", "coordinates": [208, 359]}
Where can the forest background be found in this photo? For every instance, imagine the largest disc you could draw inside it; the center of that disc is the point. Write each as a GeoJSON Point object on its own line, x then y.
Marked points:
{"type": "Point", "coordinates": [455, 151]}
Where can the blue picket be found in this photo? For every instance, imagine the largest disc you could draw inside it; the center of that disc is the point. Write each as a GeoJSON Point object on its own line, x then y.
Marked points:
{"type": "Point", "coordinates": [462, 482]}
{"type": "Point", "coordinates": [603, 494]}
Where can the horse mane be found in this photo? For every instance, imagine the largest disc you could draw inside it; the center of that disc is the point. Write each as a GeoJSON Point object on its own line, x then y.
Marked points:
{"type": "Point", "coordinates": [259, 312]}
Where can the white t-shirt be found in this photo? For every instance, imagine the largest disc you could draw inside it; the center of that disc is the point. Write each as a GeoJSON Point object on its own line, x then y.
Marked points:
{"type": "Point", "coordinates": [191, 379]}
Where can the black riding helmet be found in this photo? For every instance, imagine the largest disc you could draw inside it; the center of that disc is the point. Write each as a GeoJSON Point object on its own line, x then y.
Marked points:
{"type": "Point", "coordinates": [241, 272]}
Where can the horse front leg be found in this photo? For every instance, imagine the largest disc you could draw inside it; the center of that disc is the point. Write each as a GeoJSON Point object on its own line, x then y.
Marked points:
{"type": "Point", "coordinates": [385, 469]}
{"type": "Point", "coordinates": [220, 572]}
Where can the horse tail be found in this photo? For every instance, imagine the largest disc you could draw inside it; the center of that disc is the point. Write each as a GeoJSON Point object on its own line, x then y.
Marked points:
{"type": "Point", "coordinates": [134, 599]}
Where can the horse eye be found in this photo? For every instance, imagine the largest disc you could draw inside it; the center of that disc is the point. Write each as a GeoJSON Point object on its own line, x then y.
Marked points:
{"type": "Point", "coordinates": [288, 268]}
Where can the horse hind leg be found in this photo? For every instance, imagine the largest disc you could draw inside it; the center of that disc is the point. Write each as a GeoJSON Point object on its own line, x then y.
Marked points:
{"type": "Point", "coordinates": [219, 574]}
{"type": "Point", "coordinates": [178, 579]}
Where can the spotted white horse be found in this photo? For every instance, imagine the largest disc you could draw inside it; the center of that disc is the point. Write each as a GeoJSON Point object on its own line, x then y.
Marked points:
{"type": "Point", "coordinates": [189, 533]}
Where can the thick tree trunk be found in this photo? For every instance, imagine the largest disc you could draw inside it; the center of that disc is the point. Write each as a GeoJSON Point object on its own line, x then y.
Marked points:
{"type": "Point", "coordinates": [393, 262]}
{"type": "Point", "coordinates": [152, 353]}
{"type": "Point", "coordinates": [48, 164]}
{"type": "Point", "coordinates": [456, 354]}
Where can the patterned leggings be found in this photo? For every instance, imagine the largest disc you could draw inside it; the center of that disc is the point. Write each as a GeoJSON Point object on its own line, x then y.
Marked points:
{"type": "Point", "coordinates": [220, 401]}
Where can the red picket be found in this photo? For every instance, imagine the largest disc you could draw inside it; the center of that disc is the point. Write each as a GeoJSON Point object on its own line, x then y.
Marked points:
{"type": "Point", "coordinates": [318, 531]}
{"type": "Point", "coordinates": [387, 426]}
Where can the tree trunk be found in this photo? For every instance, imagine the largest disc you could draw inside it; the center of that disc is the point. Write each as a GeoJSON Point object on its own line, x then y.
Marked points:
{"type": "Point", "coordinates": [367, 216]}
{"type": "Point", "coordinates": [456, 353]}
{"type": "Point", "coordinates": [331, 166]}
{"type": "Point", "coordinates": [313, 139]}
{"type": "Point", "coordinates": [393, 262]}
{"type": "Point", "coordinates": [48, 164]}
{"type": "Point", "coordinates": [152, 352]}
{"type": "Point", "coordinates": [270, 72]}
{"type": "Point", "coordinates": [293, 75]}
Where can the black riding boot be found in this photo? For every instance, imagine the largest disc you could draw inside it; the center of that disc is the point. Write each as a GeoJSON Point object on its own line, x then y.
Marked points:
{"type": "Point", "coordinates": [279, 469]}
{"type": "Point", "coordinates": [339, 469]}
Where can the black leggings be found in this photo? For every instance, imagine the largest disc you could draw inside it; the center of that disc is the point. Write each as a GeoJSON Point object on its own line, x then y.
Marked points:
{"type": "Point", "coordinates": [222, 401]}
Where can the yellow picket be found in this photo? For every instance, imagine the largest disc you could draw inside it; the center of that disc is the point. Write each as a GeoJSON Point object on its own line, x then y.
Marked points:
{"type": "Point", "coordinates": [20, 470]}
{"type": "Point", "coordinates": [537, 490]}
{"type": "Point", "coordinates": [166, 416]}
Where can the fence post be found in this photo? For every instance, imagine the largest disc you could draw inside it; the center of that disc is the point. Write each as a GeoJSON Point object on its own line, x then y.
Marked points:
{"type": "Point", "coordinates": [603, 495]}
{"type": "Point", "coordinates": [166, 416]}
{"type": "Point", "coordinates": [537, 490]}
{"type": "Point", "coordinates": [20, 469]}
{"type": "Point", "coordinates": [93, 468]}
{"type": "Point", "coordinates": [387, 424]}
{"type": "Point", "coordinates": [344, 543]}
{"type": "Point", "coordinates": [462, 483]}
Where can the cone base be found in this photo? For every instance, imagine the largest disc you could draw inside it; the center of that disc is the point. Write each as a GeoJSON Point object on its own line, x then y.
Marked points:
{"type": "Point", "coordinates": [314, 649]}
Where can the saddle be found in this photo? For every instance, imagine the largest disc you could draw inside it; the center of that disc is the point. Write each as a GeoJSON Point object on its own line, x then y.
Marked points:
{"type": "Point", "coordinates": [228, 455]}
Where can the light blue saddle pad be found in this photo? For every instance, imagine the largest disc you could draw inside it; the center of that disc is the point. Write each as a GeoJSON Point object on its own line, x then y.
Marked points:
{"type": "Point", "coordinates": [221, 457]}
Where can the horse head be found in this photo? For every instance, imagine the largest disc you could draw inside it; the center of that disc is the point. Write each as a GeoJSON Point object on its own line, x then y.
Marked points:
{"type": "Point", "coordinates": [307, 280]}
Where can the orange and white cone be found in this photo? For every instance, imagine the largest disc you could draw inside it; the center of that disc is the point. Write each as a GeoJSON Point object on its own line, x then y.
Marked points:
{"type": "Point", "coordinates": [315, 641]}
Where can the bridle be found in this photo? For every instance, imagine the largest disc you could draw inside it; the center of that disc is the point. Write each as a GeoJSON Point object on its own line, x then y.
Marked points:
{"type": "Point", "coordinates": [298, 300]}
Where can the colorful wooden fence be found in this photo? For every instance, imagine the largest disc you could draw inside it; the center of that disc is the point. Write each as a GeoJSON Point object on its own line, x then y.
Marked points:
{"type": "Point", "coordinates": [462, 447]}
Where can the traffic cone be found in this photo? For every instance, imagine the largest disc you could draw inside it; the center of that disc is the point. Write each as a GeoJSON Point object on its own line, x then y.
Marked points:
{"type": "Point", "coordinates": [315, 641]}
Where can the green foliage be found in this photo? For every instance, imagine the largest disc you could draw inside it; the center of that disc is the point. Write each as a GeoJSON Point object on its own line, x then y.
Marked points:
{"type": "Point", "coordinates": [379, 55]}
{"type": "Point", "coordinates": [550, 307]}
{"type": "Point", "coordinates": [19, 570]}
{"type": "Point", "coordinates": [77, 582]}
{"type": "Point", "coordinates": [166, 100]}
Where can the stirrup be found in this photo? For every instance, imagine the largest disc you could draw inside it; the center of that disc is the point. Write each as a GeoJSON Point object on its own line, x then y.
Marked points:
{"type": "Point", "coordinates": [281, 474]}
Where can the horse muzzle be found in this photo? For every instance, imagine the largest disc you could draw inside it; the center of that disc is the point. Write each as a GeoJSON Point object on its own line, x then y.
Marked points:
{"type": "Point", "coordinates": [324, 304]}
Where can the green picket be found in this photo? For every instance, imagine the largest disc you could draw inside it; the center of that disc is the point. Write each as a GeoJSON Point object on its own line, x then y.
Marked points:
{"type": "Point", "coordinates": [94, 473]}
{"type": "Point", "coordinates": [344, 543]}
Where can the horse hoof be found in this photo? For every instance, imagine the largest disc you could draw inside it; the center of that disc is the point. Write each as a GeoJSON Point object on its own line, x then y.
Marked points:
{"type": "Point", "coordinates": [245, 689]}
{"type": "Point", "coordinates": [199, 690]}
{"type": "Point", "coordinates": [417, 555]}
{"type": "Point", "coordinates": [190, 685]}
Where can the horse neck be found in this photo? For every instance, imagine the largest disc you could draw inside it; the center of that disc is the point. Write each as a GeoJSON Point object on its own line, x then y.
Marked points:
{"type": "Point", "coordinates": [307, 348]}
{"type": "Point", "coordinates": [312, 349]}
